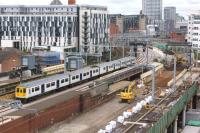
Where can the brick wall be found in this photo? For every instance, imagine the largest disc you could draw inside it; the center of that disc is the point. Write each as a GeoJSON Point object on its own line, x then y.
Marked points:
{"type": "Point", "coordinates": [114, 29]}
{"type": "Point", "coordinates": [9, 63]}
{"type": "Point", "coordinates": [33, 122]}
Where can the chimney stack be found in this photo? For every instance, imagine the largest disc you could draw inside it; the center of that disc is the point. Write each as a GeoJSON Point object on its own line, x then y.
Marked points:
{"type": "Point", "coordinates": [71, 2]}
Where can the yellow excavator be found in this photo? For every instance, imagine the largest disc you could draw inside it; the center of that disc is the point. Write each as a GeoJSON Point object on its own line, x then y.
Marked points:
{"type": "Point", "coordinates": [127, 95]}
{"type": "Point", "coordinates": [180, 59]}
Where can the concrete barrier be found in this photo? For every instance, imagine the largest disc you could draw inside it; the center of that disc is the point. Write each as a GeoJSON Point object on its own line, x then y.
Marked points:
{"type": "Point", "coordinates": [170, 83]}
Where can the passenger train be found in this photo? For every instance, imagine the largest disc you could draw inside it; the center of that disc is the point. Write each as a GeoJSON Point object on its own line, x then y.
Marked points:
{"type": "Point", "coordinates": [35, 88]}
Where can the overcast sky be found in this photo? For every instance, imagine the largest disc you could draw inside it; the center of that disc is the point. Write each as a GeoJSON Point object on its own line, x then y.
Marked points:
{"type": "Point", "coordinates": [184, 7]}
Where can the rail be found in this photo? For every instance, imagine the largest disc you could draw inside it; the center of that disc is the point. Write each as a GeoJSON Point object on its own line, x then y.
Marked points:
{"type": "Point", "coordinates": [168, 117]}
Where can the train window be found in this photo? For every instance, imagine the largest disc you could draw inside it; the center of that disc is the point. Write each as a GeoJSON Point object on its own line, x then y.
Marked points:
{"type": "Point", "coordinates": [94, 71]}
{"type": "Point", "coordinates": [73, 77]}
{"type": "Point", "coordinates": [24, 90]}
{"type": "Point", "coordinates": [84, 74]}
{"type": "Point", "coordinates": [32, 89]}
{"type": "Point", "coordinates": [66, 80]}
{"type": "Point", "coordinates": [97, 70]}
{"type": "Point", "coordinates": [77, 76]}
{"type": "Point", "coordinates": [53, 83]}
{"type": "Point", "coordinates": [20, 90]}
{"type": "Point", "coordinates": [17, 89]}
{"type": "Point", "coordinates": [62, 81]}
{"type": "Point", "coordinates": [104, 68]}
{"type": "Point", "coordinates": [29, 91]}
{"type": "Point", "coordinates": [37, 88]}
{"type": "Point", "coordinates": [48, 85]}
{"type": "Point", "coordinates": [87, 73]}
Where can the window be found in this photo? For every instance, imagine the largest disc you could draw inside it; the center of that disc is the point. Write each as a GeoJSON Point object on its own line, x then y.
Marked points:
{"type": "Point", "coordinates": [93, 71]}
{"type": "Point", "coordinates": [53, 83]}
{"type": "Point", "coordinates": [62, 81]}
{"type": "Point", "coordinates": [18, 90]}
{"type": "Point", "coordinates": [104, 68]}
{"type": "Point", "coordinates": [48, 85]}
{"type": "Point", "coordinates": [77, 76]}
{"type": "Point", "coordinates": [29, 91]}
{"type": "Point", "coordinates": [32, 89]}
{"type": "Point", "coordinates": [24, 90]}
{"type": "Point", "coordinates": [37, 88]}
{"type": "Point", "coordinates": [87, 73]}
{"type": "Point", "coordinates": [97, 70]}
{"type": "Point", "coordinates": [73, 77]}
{"type": "Point", "coordinates": [66, 80]}
{"type": "Point", "coordinates": [84, 74]}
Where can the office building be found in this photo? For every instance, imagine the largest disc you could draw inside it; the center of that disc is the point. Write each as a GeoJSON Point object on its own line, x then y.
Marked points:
{"type": "Point", "coordinates": [116, 20]}
{"type": "Point", "coordinates": [93, 28]}
{"type": "Point", "coordinates": [56, 27]}
{"type": "Point", "coordinates": [153, 10]}
{"type": "Point", "coordinates": [170, 13]}
{"type": "Point", "coordinates": [194, 30]}
{"type": "Point", "coordinates": [170, 19]}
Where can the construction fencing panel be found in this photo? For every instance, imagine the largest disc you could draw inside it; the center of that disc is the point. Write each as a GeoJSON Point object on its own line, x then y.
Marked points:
{"type": "Point", "coordinates": [170, 116]}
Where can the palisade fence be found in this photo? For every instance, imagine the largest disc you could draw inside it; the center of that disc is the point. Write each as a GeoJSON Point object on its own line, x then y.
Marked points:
{"type": "Point", "coordinates": [168, 118]}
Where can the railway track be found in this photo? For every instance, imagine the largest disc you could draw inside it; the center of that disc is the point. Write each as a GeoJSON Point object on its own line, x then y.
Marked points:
{"type": "Point", "coordinates": [9, 88]}
{"type": "Point", "coordinates": [152, 115]}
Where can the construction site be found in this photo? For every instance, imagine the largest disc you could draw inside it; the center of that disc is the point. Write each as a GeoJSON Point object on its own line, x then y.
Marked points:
{"type": "Point", "coordinates": [143, 97]}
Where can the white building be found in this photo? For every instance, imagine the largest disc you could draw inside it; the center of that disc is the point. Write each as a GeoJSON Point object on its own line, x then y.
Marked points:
{"type": "Point", "coordinates": [60, 27]}
{"type": "Point", "coordinates": [194, 30]}
{"type": "Point", "coordinates": [93, 28]}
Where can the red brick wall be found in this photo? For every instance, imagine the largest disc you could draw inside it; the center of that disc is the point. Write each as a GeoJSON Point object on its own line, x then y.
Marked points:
{"type": "Point", "coordinates": [114, 29]}
{"type": "Point", "coordinates": [177, 37]}
{"type": "Point", "coordinates": [33, 122]}
{"type": "Point", "coordinates": [8, 64]}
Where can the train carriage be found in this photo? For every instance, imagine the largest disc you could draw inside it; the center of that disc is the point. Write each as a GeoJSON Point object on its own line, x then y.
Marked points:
{"type": "Point", "coordinates": [41, 86]}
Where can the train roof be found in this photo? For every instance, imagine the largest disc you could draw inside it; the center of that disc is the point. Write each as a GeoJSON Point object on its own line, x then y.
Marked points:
{"type": "Point", "coordinates": [60, 76]}
{"type": "Point", "coordinates": [44, 80]}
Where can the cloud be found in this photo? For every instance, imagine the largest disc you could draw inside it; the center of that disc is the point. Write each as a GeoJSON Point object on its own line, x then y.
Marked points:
{"type": "Point", "coordinates": [184, 7]}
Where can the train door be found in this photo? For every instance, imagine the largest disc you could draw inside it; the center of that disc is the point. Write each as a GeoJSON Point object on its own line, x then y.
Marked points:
{"type": "Point", "coordinates": [42, 88]}
{"type": "Point", "coordinates": [58, 84]}
{"type": "Point", "coordinates": [90, 73]}
{"type": "Point", "coordinates": [81, 76]}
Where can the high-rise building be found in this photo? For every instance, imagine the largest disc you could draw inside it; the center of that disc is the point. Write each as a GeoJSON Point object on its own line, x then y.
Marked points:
{"type": "Point", "coordinates": [170, 19]}
{"type": "Point", "coordinates": [93, 28]}
{"type": "Point", "coordinates": [170, 13]}
{"type": "Point", "coordinates": [194, 30]}
{"type": "Point", "coordinates": [153, 10]}
{"type": "Point", "coordinates": [57, 27]}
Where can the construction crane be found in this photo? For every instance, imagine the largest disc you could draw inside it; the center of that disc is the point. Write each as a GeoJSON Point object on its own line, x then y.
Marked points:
{"type": "Point", "coordinates": [127, 95]}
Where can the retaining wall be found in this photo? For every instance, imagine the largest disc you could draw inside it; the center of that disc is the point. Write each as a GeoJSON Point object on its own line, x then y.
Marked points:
{"type": "Point", "coordinates": [66, 110]}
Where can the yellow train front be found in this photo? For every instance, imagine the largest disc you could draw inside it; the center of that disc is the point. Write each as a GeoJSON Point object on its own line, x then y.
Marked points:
{"type": "Point", "coordinates": [20, 92]}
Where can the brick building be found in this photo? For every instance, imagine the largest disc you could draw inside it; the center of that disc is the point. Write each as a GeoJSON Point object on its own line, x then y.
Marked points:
{"type": "Point", "coordinates": [10, 59]}
{"type": "Point", "coordinates": [114, 29]}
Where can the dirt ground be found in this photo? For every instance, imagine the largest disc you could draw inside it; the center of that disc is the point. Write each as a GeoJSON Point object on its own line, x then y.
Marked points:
{"type": "Point", "coordinates": [163, 78]}
{"type": "Point", "coordinates": [91, 121]}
